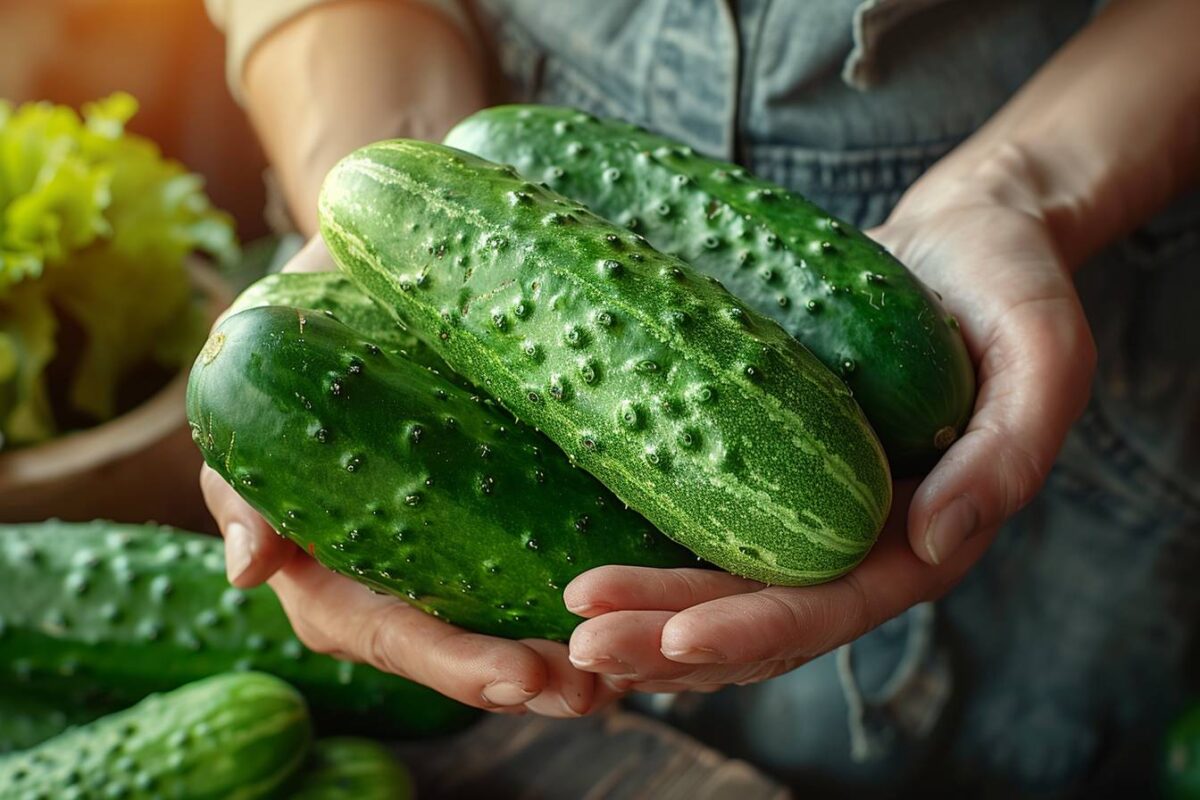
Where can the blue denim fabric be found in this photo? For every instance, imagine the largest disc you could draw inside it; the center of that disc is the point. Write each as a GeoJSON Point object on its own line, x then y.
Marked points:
{"type": "Point", "coordinates": [1076, 634]}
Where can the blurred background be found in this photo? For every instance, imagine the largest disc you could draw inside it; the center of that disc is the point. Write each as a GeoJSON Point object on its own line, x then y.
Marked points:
{"type": "Point", "coordinates": [168, 55]}
{"type": "Point", "coordinates": [140, 464]}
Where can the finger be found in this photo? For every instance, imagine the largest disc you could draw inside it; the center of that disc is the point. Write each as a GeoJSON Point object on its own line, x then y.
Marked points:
{"type": "Point", "coordinates": [568, 692]}
{"type": "Point", "coordinates": [617, 588]}
{"type": "Point", "coordinates": [794, 624]}
{"type": "Point", "coordinates": [607, 692]}
{"type": "Point", "coordinates": [313, 257]}
{"type": "Point", "coordinates": [253, 550]}
{"type": "Point", "coordinates": [626, 645]}
{"type": "Point", "coordinates": [1034, 378]}
{"type": "Point", "coordinates": [623, 643]}
{"type": "Point", "coordinates": [331, 613]}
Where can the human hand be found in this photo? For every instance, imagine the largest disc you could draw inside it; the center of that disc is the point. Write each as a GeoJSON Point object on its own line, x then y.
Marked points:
{"type": "Point", "coordinates": [335, 615]}
{"type": "Point", "coordinates": [992, 256]}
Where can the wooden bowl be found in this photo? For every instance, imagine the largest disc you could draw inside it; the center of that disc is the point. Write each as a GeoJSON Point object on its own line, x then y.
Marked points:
{"type": "Point", "coordinates": [141, 466]}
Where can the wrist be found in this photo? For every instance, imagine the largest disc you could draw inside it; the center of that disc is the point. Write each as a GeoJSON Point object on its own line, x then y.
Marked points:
{"type": "Point", "coordinates": [1062, 191]}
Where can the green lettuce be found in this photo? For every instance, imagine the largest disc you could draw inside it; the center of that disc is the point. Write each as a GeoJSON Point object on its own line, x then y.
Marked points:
{"type": "Point", "coordinates": [95, 229]}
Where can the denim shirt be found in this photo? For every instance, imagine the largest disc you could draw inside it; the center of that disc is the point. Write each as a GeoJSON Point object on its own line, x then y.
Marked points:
{"type": "Point", "coordinates": [845, 101]}
{"type": "Point", "coordinates": [1078, 628]}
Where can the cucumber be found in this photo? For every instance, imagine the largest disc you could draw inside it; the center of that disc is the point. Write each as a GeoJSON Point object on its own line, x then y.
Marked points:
{"type": "Point", "coordinates": [336, 295]}
{"type": "Point", "coordinates": [100, 614]}
{"type": "Point", "coordinates": [387, 473]}
{"type": "Point", "coordinates": [26, 720]}
{"type": "Point", "coordinates": [237, 735]}
{"type": "Point", "coordinates": [840, 293]}
{"type": "Point", "coordinates": [1181, 757]}
{"type": "Point", "coordinates": [701, 414]}
{"type": "Point", "coordinates": [350, 769]}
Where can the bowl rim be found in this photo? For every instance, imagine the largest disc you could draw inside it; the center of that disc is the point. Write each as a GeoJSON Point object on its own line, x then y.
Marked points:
{"type": "Point", "coordinates": [150, 421]}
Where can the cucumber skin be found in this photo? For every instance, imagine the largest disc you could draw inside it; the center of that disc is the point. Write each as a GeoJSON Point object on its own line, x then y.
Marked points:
{"type": "Point", "coordinates": [101, 614]}
{"type": "Point", "coordinates": [340, 768]}
{"type": "Point", "coordinates": [872, 321]}
{"type": "Point", "coordinates": [227, 737]}
{"type": "Point", "coordinates": [690, 396]}
{"type": "Point", "coordinates": [350, 769]}
{"type": "Point", "coordinates": [337, 296]}
{"type": "Point", "coordinates": [401, 480]}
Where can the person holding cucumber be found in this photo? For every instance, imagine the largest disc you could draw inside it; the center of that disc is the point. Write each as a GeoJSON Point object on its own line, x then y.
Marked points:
{"type": "Point", "coordinates": [1029, 161]}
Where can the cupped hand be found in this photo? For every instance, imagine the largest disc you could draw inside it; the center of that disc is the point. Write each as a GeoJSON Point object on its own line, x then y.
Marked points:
{"type": "Point", "coordinates": [335, 615]}
{"type": "Point", "coordinates": [992, 257]}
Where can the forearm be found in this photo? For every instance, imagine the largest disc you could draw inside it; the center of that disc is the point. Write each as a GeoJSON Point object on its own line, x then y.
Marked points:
{"type": "Point", "coordinates": [345, 74]}
{"type": "Point", "coordinates": [1101, 137]}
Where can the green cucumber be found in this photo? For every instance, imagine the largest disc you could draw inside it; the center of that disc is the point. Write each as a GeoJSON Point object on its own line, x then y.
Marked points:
{"type": "Point", "coordinates": [387, 473]}
{"type": "Point", "coordinates": [1181, 758]}
{"type": "Point", "coordinates": [237, 735]}
{"type": "Point", "coordinates": [840, 293]}
{"type": "Point", "coordinates": [701, 414]}
{"type": "Point", "coordinates": [350, 769]}
{"type": "Point", "coordinates": [26, 720]}
{"type": "Point", "coordinates": [101, 614]}
{"type": "Point", "coordinates": [336, 295]}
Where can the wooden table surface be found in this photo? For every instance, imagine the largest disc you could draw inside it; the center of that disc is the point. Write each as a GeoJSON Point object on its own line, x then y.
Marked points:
{"type": "Point", "coordinates": [618, 754]}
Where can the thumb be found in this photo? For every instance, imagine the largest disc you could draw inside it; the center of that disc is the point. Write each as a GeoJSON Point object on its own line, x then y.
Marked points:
{"type": "Point", "coordinates": [1035, 374]}
{"type": "Point", "coordinates": [253, 551]}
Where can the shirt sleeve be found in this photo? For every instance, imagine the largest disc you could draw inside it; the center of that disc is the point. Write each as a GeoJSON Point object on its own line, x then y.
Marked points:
{"type": "Point", "coordinates": [247, 22]}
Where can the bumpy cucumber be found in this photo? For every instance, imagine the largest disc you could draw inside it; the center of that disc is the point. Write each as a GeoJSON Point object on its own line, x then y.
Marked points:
{"type": "Point", "coordinates": [387, 473]}
{"type": "Point", "coordinates": [841, 294]}
{"type": "Point", "coordinates": [104, 614]}
{"type": "Point", "coordinates": [350, 769]}
{"type": "Point", "coordinates": [703, 415]}
{"type": "Point", "coordinates": [237, 735]}
{"type": "Point", "coordinates": [26, 720]}
{"type": "Point", "coordinates": [337, 296]}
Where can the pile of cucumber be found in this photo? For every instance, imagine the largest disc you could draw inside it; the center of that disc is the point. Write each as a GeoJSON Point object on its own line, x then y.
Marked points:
{"type": "Point", "coordinates": [670, 364]}
{"type": "Point", "coordinates": [207, 691]}
{"type": "Point", "coordinates": [233, 735]}
{"type": "Point", "coordinates": [504, 386]}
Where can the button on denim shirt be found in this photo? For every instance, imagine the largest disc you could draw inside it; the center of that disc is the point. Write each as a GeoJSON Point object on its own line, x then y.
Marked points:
{"type": "Point", "coordinates": [1075, 636]}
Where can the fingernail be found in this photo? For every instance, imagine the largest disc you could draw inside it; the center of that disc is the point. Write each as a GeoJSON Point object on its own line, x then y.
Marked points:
{"type": "Point", "coordinates": [589, 609]}
{"type": "Point", "coordinates": [606, 666]}
{"type": "Point", "coordinates": [618, 685]}
{"type": "Point", "coordinates": [949, 528]}
{"type": "Point", "coordinates": [506, 693]}
{"type": "Point", "coordinates": [238, 551]}
{"type": "Point", "coordinates": [570, 709]}
{"type": "Point", "coordinates": [696, 655]}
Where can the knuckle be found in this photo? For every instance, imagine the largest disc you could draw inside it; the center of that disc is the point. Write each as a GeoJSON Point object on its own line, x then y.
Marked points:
{"type": "Point", "coordinates": [1023, 473]}
{"type": "Point", "coordinates": [1018, 471]}
{"type": "Point", "coordinates": [378, 642]}
{"type": "Point", "coordinates": [312, 637]}
{"type": "Point", "coordinates": [861, 615]}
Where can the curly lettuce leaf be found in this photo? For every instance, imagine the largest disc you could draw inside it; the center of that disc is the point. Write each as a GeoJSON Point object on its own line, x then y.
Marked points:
{"type": "Point", "coordinates": [27, 329]}
{"type": "Point", "coordinates": [104, 224]}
